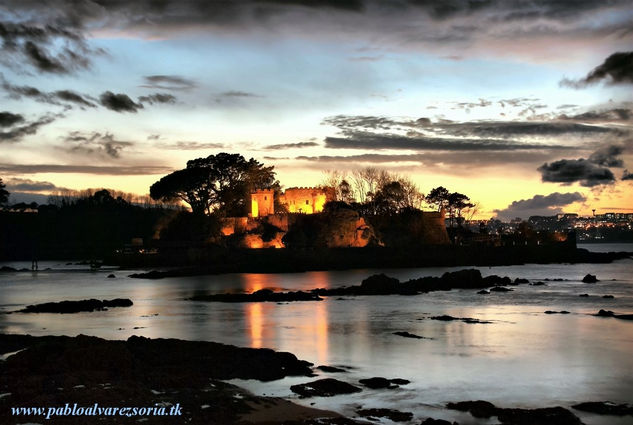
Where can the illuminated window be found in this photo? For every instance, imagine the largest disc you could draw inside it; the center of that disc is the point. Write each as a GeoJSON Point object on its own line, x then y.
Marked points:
{"type": "Point", "coordinates": [265, 198]}
{"type": "Point", "coordinates": [307, 202]}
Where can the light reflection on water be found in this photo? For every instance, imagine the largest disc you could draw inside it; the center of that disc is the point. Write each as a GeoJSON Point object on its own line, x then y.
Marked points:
{"type": "Point", "coordinates": [524, 358]}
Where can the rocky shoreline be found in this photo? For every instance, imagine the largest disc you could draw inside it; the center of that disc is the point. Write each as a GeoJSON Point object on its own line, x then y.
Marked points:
{"type": "Point", "coordinates": [53, 370]}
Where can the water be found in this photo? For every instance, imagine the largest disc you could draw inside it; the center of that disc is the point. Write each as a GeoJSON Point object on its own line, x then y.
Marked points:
{"type": "Point", "coordinates": [525, 358]}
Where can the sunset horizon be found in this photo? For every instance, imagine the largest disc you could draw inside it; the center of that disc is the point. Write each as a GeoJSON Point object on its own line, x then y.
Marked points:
{"type": "Point", "coordinates": [525, 108]}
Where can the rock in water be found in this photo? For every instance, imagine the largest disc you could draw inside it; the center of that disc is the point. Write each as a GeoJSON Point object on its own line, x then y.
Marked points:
{"type": "Point", "coordinates": [590, 278]}
{"type": "Point", "coordinates": [324, 388]}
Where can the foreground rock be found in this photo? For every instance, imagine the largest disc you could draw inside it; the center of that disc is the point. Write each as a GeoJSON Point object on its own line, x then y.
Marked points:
{"type": "Point", "coordinates": [590, 278]}
{"type": "Point", "coordinates": [380, 382]}
{"type": "Point", "coordinates": [259, 296]}
{"type": "Point", "coordinates": [52, 371]}
{"type": "Point", "coordinates": [77, 306]}
{"type": "Point", "coordinates": [392, 415]}
{"type": "Point", "coordinates": [544, 416]}
{"type": "Point", "coordinates": [327, 387]}
{"type": "Point", "coordinates": [605, 408]}
{"type": "Point", "coordinates": [609, 313]}
{"type": "Point", "coordinates": [431, 421]}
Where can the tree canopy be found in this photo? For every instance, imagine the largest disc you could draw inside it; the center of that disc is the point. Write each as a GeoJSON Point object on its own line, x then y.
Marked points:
{"type": "Point", "coordinates": [218, 183]}
{"type": "Point", "coordinates": [4, 194]}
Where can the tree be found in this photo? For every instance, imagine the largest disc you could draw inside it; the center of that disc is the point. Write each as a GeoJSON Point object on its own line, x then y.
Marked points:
{"type": "Point", "coordinates": [4, 194]}
{"type": "Point", "coordinates": [438, 197]}
{"type": "Point", "coordinates": [218, 183]}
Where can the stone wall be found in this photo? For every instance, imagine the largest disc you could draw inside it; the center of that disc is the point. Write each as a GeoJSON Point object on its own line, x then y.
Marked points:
{"type": "Point", "coordinates": [262, 203]}
{"type": "Point", "coordinates": [307, 200]}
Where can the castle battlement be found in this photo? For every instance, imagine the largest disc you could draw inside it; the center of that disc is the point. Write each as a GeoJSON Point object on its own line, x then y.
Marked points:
{"type": "Point", "coordinates": [305, 200]}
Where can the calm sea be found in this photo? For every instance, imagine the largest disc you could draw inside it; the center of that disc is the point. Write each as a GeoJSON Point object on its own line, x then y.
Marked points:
{"type": "Point", "coordinates": [524, 358]}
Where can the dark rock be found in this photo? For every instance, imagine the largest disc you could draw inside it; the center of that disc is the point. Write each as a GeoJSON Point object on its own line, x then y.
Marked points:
{"type": "Point", "coordinates": [7, 269]}
{"type": "Point", "coordinates": [376, 383]}
{"type": "Point", "coordinates": [327, 387]}
{"type": "Point", "coordinates": [501, 289]}
{"type": "Point", "coordinates": [608, 296]}
{"type": "Point", "coordinates": [330, 369]}
{"type": "Point", "coordinates": [604, 408]}
{"type": "Point", "coordinates": [263, 295]}
{"type": "Point", "coordinates": [609, 313]}
{"type": "Point", "coordinates": [556, 312]}
{"type": "Point", "coordinates": [583, 295]}
{"type": "Point", "coordinates": [469, 320]}
{"type": "Point", "coordinates": [111, 276]}
{"type": "Point", "coordinates": [379, 284]}
{"type": "Point", "coordinates": [545, 416]}
{"type": "Point", "coordinates": [477, 408]}
{"type": "Point", "coordinates": [519, 281]}
{"type": "Point", "coordinates": [538, 284]}
{"type": "Point", "coordinates": [379, 382]}
{"type": "Point", "coordinates": [409, 335]}
{"type": "Point", "coordinates": [590, 278]}
{"type": "Point", "coordinates": [76, 306]}
{"type": "Point", "coordinates": [494, 280]}
{"type": "Point", "coordinates": [483, 292]}
{"type": "Point", "coordinates": [393, 415]}
{"type": "Point", "coordinates": [431, 421]}
{"type": "Point", "coordinates": [468, 278]}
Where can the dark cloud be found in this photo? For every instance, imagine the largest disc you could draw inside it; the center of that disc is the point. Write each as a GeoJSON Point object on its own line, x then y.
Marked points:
{"type": "Point", "coordinates": [27, 185]}
{"type": "Point", "coordinates": [17, 133]}
{"type": "Point", "coordinates": [158, 98]}
{"type": "Point", "coordinates": [627, 176]}
{"type": "Point", "coordinates": [66, 98]}
{"type": "Point", "coordinates": [540, 205]}
{"type": "Point", "coordinates": [47, 47]}
{"type": "Point", "coordinates": [129, 170]}
{"type": "Point", "coordinates": [119, 102]}
{"type": "Point", "coordinates": [607, 156]}
{"type": "Point", "coordinates": [348, 5]}
{"type": "Point", "coordinates": [610, 115]}
{"type": "Point", "coordinates": [366, 140]}
{"type": "Point", "coordinates": [365, 122]}
{"type": "Point", "coordinates": [95, 143]}
{"type": "Point", "coordinates": [616, 69]}
{"type": "Point", "coordinates": [568, 171]}
{"type": "Point", "coordinates": [168, 82]}
{"type": "Point", "coordinates": [290, 146]}
{"type": "Point", "coordinates": [7, 119]}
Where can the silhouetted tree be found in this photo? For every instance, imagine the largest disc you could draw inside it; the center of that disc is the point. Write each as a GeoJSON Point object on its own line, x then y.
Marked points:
{"type": "Point", "coordinates": [218, 183]}
{"type": "Point", "coordinates": [438, 197]}
{"type": "Point", "coordinates": [456, 203]}
{"type": "Point", "coordinates": [4, 194]}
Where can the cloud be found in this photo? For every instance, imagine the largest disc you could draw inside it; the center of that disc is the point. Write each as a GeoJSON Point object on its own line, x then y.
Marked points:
{"type": "Point", "coordinates": [130, 170]}
{"type": "Point", "coordinates": [290, 146]}
{"type": "Point", "coordinates": [27, 185]}
{"type": "Point", "coordinates": [568, 171]}
{"type": "Point", "coordinates": [237, 93]}
{"type": "Point", "coordinates": [540, 205]}
{"type": "Point", "coordinates": [119, 102]}
{"type": "Point", "coordinates": [168, 82]}
{"type": "Point", "coordinates": [191, 146]}
{"type": "Point", "coordinates": [365, 140]}
{"type": "Point", "coordinates": [627, 176]}
{"type": "Point", "coordinates": [610, 115]}
{"type": "Point", "coordinates": [7, 119]}
{"type": "Point", "coordinates": [66, 98]}
{"type": "Point", "coordinates": [607, 156]}
{"type": "Point", "coordinates": [158, 98]}
{"type": "Point", "coordinates": [18, 132]}
{"type": "Point", "coordinates": [95, 143]}
{"type": "Point", "coordinates": [616, 69]}
{"type": "Point", "coordinates": [47, 47]}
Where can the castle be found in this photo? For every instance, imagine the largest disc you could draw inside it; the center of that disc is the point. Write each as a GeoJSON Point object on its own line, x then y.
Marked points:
{"type": "Point", "coordinates": [302, 200]}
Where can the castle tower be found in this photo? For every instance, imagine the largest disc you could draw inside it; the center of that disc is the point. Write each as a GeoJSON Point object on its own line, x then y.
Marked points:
{"type": "Point", "coordinates": [262, 203]}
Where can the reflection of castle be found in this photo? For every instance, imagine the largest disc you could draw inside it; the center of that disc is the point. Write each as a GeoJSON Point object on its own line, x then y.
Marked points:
{"type": "Point", "coordinates": [306, 200]}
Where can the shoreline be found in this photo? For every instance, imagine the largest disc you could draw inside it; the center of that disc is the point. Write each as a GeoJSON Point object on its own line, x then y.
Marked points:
{"type": "Point", "coordinates": [57, 370]}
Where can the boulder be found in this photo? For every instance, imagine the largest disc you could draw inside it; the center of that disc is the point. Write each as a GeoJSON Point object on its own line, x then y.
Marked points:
{"type": "Point", "coordinates": [327, 387]}
{"type": "Point", "coordinates": [379, 284]}
{"type": "Point", "coordinates": [477, 408]}
{"type": "Point", "coordinates": [392, 415]}
{"type": "Point", "coordinates": [590, 278]}
{"type": "Point", "coordinates": [604, 408]}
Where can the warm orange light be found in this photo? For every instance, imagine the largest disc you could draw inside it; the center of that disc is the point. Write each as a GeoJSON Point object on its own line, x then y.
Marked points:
{"type": "Point", "coordinates": [255, 322]}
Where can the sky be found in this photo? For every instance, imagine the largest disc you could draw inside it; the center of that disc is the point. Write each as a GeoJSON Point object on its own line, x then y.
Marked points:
{"type": "Point", "coordinates": [524, 106]}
